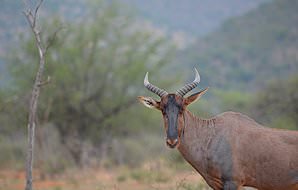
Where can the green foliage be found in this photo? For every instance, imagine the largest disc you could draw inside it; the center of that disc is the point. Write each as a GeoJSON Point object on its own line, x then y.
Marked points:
{"type": "Point", "coordinates": [243, 55]}
{"type": "Point", "coordinates": [186, 186]}
{"type": "Point", "coordinates": [14, 149]}
{"type": "Point", "coordinates": [277, 104]}
{"type": "Point", "coordinates": [248, 51]}
{"type": "Point", "coordinates": [233, 100]}
{"type": "Point", "coordinates": [149, 176]}
{"type": "Point", "coordinates": [284, 122]}
{"type": "Point", "coordinates": [96, 67]}
{"type": "Point", "coordinates": [121, 178]}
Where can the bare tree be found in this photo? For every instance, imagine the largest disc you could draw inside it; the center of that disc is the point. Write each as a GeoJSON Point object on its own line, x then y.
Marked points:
{"type": "Point", "coordinates": [42, 48]}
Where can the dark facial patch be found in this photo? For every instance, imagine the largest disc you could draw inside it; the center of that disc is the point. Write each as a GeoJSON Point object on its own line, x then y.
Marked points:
{"type": "Point", "coordinates": [171, 111]}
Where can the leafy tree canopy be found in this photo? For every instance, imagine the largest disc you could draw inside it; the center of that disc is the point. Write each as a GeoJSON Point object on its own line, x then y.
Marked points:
{"type": "Point", "coordinates": [96, 67]}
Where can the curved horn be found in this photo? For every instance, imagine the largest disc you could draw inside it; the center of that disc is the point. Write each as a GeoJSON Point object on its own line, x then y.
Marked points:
{"type": "Point", "coordinates": [154, 89]}
{"type": "Point", "coordinates": [188, 87]}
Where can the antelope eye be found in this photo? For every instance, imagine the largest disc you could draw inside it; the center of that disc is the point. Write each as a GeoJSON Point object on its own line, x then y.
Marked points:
{"type": "Point", "coordinates": [149, 102]}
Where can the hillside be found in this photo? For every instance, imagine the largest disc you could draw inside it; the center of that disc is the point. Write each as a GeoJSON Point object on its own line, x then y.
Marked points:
{"type": "Point", "coordinates": [13, 22]}
{"type": "Point", "coordinates": [248, 51]}
{"type": "Point", "coordinates": [191, 16]}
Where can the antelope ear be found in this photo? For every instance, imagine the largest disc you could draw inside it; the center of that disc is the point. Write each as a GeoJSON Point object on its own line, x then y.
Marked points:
{"type": "Point", "coordinates": [194, 97]}
{"type": "Point", "coordinates": [149, 102]}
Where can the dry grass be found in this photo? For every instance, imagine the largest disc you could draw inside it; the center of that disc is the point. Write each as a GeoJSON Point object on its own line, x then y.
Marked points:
{"type": "Point", "coordinates": [147, 177]}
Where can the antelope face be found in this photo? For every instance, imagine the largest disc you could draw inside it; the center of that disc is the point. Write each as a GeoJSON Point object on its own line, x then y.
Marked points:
{"type": "Point", "coordinates": [172, 107]}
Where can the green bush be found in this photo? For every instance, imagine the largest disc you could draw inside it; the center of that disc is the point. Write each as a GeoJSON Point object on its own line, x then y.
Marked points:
{"type": "Point", "coordinates": [12, 152]}
{"type": "Point", "coordinates": [149, 176]}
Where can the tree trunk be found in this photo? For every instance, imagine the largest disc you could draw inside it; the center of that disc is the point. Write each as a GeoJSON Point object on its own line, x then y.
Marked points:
{"type": "Point", "coordinates": [31, 18]}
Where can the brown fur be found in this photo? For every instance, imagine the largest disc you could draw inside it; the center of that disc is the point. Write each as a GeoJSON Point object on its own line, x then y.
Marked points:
{"type": "Point", "coordinates": [259, 157]}
{"type": "Point", "coordinates": [231, 150]}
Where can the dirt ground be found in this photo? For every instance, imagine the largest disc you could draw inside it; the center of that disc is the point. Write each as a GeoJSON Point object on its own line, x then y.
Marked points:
{"type": "Point", "coordinates": [106, 179]}
{"type": "Point", "coordinates": [150, 176]}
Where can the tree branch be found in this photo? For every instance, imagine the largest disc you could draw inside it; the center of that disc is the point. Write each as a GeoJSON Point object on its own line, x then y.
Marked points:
{"type": "Point", "coordinates": [42, 50]}
{"type": "Point", "coordinates": [52, 38]}
{"type": "Point", "coordinates": [116, 110]}
{"type": "Point", "coordinates": [36, 10]}
{"type": "Point", "coordinates": [42, 83]}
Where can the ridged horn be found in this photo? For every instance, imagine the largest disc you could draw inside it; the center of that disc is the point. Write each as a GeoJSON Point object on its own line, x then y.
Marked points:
{"type": "Point", "coordinates": [188, 87]}
{"type": "Point", "coordinates": [152, 88]}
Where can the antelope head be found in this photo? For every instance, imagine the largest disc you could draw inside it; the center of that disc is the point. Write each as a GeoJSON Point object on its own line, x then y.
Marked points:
{"type": "Point", "coordinates": [172, 107]}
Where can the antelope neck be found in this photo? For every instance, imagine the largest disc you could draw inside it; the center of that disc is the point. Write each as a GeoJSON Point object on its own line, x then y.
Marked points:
{"type": "Point", "coordinates": [196, 138]}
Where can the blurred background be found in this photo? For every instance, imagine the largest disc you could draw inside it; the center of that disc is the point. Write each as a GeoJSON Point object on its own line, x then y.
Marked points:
{"type": "Point", "coordinates": [92, 133]}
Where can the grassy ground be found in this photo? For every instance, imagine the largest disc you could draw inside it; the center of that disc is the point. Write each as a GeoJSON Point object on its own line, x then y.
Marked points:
{"type": "Point", "coordinates": [147, 177]}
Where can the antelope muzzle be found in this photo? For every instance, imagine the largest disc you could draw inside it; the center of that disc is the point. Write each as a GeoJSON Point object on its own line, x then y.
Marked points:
{"type": "Point", "coordinates": [172, 143]}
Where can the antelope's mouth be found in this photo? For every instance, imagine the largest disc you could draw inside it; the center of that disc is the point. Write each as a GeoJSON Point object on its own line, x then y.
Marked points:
{"type": "Point", "coordinates": [172, 143]}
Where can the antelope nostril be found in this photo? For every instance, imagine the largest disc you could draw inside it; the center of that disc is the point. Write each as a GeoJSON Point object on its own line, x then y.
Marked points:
{"type": "Point", "coordinates": [172, 142]}
{"type": "Point", "coordinates": [175, 141]}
